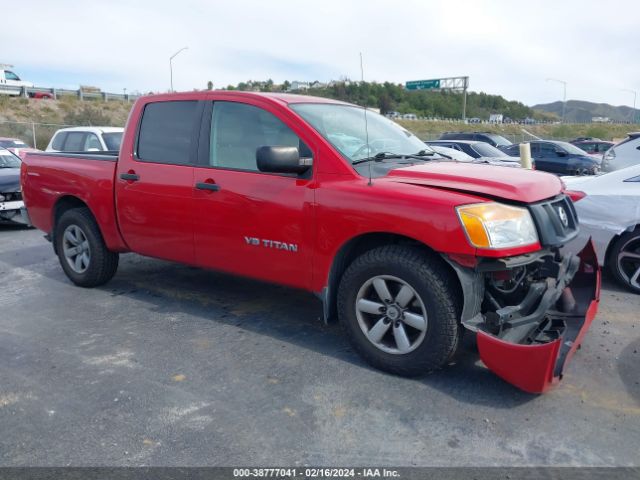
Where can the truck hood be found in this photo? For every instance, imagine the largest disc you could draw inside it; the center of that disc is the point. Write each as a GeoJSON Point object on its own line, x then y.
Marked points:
{"type": "Point", "coordinates": [486, 180]}
{"type": "Point", "coordinates": [9, 180]}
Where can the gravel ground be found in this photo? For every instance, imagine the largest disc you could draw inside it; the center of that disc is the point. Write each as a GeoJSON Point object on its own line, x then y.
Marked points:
{"type": "Point", "coordinates": [172, 365]}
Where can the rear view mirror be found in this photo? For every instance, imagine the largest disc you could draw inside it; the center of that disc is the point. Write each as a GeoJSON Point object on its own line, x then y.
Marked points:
{"type": "Point", "coordinates": [279, 159]}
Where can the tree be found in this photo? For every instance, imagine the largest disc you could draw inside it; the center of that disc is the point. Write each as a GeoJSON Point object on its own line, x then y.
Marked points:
{"type": "Point", "coordinates": [209, 85]}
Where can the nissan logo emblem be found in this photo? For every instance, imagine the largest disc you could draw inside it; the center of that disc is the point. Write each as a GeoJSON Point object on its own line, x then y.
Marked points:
{"type": "Point", "coordinates": [563, 217]}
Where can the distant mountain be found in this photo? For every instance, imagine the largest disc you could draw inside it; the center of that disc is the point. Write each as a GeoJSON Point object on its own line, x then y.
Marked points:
{"type": "Point", "coordinates": [580, 111]}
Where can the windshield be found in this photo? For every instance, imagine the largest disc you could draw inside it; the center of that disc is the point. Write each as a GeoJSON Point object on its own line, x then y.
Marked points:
{"type": "Point", "coordinates": [112, 140]}
{"type": "Point", "coordinates": [499, 140]}
{"type": "Point", "coordinates": [12, 144]}
{"type": "Point", "coordinates": [569, 148]}
{"type": "Point", "coordinates": [344, 127]}
{"type": "Point", "coordinates": [486, 150]}
{"type": "Point", "coordinates": [8, 160]}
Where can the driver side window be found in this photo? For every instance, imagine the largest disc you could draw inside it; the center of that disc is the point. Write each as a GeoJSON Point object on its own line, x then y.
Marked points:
{"type": "Point", "coordinates": [238, 130]}
{"type": "Point", "coordinates": [547, 150]}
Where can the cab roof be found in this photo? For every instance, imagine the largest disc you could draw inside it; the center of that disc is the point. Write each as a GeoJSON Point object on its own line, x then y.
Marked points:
{"type": "Point", "coordinates": [282, 98]}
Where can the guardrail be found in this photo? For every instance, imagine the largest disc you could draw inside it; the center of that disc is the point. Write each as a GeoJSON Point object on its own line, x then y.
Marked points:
{"type": "Point", "coordinates": [55, 93]}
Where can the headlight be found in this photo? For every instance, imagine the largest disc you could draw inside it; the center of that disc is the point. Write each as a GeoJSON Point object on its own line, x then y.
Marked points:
{"type": "Point", "coordinates": [495, 225]}
{"type": "Point", "coordinates": [609, 154]}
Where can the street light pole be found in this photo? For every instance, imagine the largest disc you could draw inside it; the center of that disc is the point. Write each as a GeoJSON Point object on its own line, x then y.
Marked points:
{"type": "Point", "coordinates": [635, 94]}
{"type": "Point", "coordinates": [171, 64]}
{"type": "Point", "coordinates": [564, 101]}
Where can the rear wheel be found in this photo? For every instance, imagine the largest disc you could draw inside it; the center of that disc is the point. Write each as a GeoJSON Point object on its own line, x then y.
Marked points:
{"type": "Point", "coordinates": [81, 250]}
{"type": "Point", "coordinates": [398, 307]}
{"type": "Point", "coordinates": [624, 260]}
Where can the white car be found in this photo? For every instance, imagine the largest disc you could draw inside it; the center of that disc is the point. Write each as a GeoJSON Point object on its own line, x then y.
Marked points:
{"type": "Point", "coordinates": [456, 155]}
{"type": "Point", "coordinates": [609, 213]}
{"type": "Point", "coordinates": [623, 154]}
{"type": "Point", "coordinates": [86, 139]}
{"type": "Point", "coordinates": [9, 79]}
{"type": "Point", "coordinates": [460, 156]}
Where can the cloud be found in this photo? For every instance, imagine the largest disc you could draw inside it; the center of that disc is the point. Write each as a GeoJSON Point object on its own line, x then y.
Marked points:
{"type": "Point", "coordinates": [506, 47]}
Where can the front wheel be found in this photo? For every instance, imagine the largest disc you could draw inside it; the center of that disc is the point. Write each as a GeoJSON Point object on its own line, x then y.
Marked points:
{"type": "Point", "coordinates": [399, 308]}
{"type": "Point", "coordinates": [81, 250]}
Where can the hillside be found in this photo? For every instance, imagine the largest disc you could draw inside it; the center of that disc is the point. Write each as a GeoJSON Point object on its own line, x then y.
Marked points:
{"type": "Point", "coordinates": [18, 114]}
{"type": "Point", "coordinates": [389, 97]}
{"type": "Point", "coordinates": [579, 111]}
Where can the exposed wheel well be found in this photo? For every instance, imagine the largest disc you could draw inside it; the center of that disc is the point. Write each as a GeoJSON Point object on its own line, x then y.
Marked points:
{"type": "Point", "coordinates": [358, 246]}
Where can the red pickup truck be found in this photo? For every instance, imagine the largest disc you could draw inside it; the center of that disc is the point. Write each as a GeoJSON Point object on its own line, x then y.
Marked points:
{"type": "Point", "coordinates": [404, 247]}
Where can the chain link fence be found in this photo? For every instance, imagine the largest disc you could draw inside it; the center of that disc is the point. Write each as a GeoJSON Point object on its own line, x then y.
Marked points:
{"type": "Point", "coordinates": [36, 135]}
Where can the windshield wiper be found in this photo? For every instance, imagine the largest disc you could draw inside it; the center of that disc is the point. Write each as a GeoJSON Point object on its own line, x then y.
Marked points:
{"type": "Point", "coordinates": [432, 152]}
{"type": "Point", "coordinates": [378, 157]}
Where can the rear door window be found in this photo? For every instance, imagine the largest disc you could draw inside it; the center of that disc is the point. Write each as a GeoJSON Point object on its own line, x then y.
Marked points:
{"type": "Point", "coordinates": [167, 132]}
{"type": "Point", "coordinates": [74, 142]}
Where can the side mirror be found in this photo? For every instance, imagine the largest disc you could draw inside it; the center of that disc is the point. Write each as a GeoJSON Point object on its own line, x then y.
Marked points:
{"type": "Point", "coordinates": [278, 159]}
{"type": "Point", "coordinates": [561, 153]}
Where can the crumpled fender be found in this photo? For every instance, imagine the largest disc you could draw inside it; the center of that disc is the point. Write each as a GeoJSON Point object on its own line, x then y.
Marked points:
{"type": "Point", "coordinates": [535, 368]}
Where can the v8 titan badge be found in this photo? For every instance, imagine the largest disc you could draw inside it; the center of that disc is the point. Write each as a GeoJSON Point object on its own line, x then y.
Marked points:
{"type": "Point", "coordinates": [289, 247]}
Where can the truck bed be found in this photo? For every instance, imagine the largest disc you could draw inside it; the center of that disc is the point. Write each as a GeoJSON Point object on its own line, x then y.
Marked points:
{"type": "Point", "coordinates": [49, 178]}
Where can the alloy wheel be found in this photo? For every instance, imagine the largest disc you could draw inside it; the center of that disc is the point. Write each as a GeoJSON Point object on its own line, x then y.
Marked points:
{"type": "Point", "coordinates": [75, 247]}
{"type": "Point", "coordinates": [629, 262]}
{"type": "Point", "coordinates": [391, 314]}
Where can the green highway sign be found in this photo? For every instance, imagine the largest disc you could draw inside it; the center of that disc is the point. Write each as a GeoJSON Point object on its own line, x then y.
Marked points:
{"type": "Point", "coordinates": [423, 84]}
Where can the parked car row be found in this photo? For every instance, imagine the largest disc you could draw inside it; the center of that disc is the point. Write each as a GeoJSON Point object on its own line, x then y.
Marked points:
{"type": "Point", "coordinates": [477, 151]}
{"type": "Point", "coordinates": [581, 156]}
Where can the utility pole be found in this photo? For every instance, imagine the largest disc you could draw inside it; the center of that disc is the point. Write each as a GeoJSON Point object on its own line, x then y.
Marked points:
{"type": "Point", "coordinates": [464, 99]}
{"type": "Point", "coordinates": [633, 113]}
{"type": "Point", "coordinates": [171, 64]}
{"type": "Point", "coordinates": [564, 100]}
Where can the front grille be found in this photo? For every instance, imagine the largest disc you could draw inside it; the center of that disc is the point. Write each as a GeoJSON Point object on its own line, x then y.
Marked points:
{"type": "Point", "coordinates": [556, 221]}
{"type": "Point", "coordinates": [12, 196]}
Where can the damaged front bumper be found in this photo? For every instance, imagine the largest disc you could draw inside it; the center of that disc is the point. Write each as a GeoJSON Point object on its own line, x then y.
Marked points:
{"type": "Point", "coordinates": [531, 313]}
{"type": "Point", "coordinates": [11, 210]}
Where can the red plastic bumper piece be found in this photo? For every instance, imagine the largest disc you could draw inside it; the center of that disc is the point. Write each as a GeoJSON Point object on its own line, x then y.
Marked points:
{"type": "Point", "coordinates": [534, 368]}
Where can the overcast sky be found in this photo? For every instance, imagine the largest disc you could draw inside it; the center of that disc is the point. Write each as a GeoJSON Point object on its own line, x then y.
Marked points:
{"type": "Point", "coordinates": [505, 47]}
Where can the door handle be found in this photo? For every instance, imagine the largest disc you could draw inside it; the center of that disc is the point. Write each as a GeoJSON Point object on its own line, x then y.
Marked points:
{"type": "Point", "coordinates": [207, 186]}
{"type": "Point", "coordinates": [131, 177]}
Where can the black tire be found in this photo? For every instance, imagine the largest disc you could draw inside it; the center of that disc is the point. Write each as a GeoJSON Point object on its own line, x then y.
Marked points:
{"type": "Point", "coordinates": [435, 285]}
{"type": "Point", "coordinates": [629, 241]}
{"type": "Point", "coordinates": [102, 263]}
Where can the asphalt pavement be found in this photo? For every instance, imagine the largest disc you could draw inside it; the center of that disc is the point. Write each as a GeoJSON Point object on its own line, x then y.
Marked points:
{"type": "Point", "coordinates": [174, 365]}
